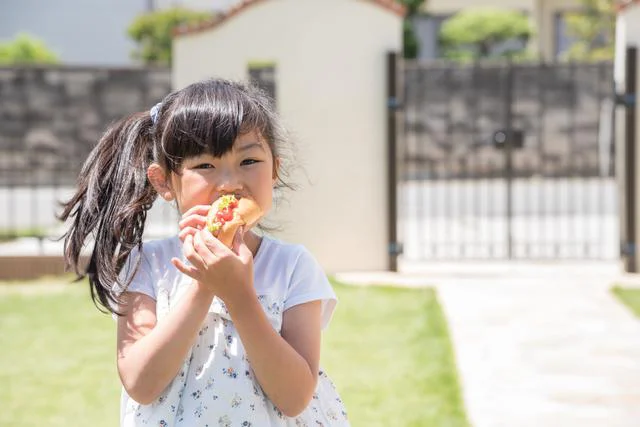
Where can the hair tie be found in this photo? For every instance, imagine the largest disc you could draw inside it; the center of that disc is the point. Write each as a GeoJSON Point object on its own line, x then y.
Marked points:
{"type": "Point", "coordinates": [154, 113]}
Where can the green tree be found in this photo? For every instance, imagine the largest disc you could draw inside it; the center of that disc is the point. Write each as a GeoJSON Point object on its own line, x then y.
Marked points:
{"type": "Point", "coordinates": [26, 49]}
{"type": "Point", "coordinates": [411, 44]}
{"type": "Point", "coordinates": [475, 32]}
{"type": "Point", "coordinates": [153, 32]}
{"type": "Point", "coordinates": [592, 30]}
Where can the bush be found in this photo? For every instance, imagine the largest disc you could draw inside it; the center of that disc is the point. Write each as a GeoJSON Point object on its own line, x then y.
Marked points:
{"type": "Point", "coordinates": [153, 32]}
{"type": "Point", "coordinates": [485, 32]}
{"type": "Point", "coordinates": [26, 49]}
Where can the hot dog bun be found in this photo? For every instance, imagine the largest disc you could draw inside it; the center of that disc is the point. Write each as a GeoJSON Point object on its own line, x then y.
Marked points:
{"type": "Point", "coordinates": [240, 212]}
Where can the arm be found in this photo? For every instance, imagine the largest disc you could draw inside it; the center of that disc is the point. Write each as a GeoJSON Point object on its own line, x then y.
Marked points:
{"type": "Point", "coordinates": [150, 354]}
{"type": "Point", "coordinates": [286, 366]}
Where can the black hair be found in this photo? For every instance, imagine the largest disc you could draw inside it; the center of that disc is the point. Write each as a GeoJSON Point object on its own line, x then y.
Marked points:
{"type": "Point", "coordinates": [113, 192]}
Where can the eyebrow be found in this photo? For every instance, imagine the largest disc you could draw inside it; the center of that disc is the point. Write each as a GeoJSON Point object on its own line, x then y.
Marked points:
{"type": "Point", "coordinates": [251, 146]}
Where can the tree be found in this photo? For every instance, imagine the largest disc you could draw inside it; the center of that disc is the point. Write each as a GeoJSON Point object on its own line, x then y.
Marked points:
{"type": "Point", "coordinates": [26, 49]}
{"type": "Point", "coordinates": [484, 32]}
{"type": "Point", "coordinates": [593, 30]}
{"type": "Point", "coordinates": [411, 45]}
{"type": "Point", "coordinates": [153, 32]}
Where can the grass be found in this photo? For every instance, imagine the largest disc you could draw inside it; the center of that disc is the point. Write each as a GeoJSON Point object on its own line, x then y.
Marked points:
{"type": "Point", "coordinates": [57, 364]}
{"type": "Point", "coordinates": [386, 349]}
{"type": "Point", "coordinates": [389, 353]}
{"type": "Point", "coordinates": [9, 235]}
{"type": "Point", "coordinates": [630, 297]}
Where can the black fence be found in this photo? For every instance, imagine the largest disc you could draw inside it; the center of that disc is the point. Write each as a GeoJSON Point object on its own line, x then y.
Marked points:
{"type": "Point", "coordinates": [507, 161]}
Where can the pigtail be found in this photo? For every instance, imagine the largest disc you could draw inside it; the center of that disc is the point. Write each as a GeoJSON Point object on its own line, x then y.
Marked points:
{"type": "Point", "coordinates": [110, 205]}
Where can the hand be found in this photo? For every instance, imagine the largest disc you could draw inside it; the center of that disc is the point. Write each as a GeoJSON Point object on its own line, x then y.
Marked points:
{"type": "Point", "coordinates": [193, 220]}
{"type": "Point", "coordinates": [227, 273]}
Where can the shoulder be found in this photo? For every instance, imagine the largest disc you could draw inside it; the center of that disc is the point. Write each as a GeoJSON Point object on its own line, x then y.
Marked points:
{"type": "Point", "coordinates": [157, 250]}
{"type": "Point", "coordinates": [153, 256]}
{"type": "Point", "coordinates": [290, 256]}
{"type": "Point", "coordinates": [158, 246]}
{"type": "Point", "coordinates": [299, 274]}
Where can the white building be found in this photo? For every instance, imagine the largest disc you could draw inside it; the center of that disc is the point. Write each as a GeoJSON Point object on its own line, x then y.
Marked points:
{"type": "Point", "coordinates": [327, 61]}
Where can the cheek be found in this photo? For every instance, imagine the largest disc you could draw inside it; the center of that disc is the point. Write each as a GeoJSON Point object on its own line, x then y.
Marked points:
{"type": "Point", "coordinates": [193, 191]}
{"type": "Point", "coordinates": [264, 189]}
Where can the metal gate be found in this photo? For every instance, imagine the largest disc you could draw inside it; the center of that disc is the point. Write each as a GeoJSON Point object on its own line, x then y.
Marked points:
{"type": "Point", "coordinates": [511, 161]}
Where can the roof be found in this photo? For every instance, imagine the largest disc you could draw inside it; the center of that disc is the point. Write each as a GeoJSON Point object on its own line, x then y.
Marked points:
{"type": "Point", "coordinates": [625, 4]}
{"type": "Point", "coordinates": [392, 6]}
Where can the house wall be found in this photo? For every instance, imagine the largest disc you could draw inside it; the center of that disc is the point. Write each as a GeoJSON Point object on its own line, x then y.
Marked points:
{"type": "Point", "coordinates": [330, 58]}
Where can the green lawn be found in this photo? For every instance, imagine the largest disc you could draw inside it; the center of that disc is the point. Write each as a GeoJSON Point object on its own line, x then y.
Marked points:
{"type": "Point", "coordinates": [630, 297]}
{"type": "Point", "coordinates": [386, 349]}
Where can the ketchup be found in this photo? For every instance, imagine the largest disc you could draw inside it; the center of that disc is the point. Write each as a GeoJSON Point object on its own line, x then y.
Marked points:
{"type": "Point", "coordinates": [226, 214]}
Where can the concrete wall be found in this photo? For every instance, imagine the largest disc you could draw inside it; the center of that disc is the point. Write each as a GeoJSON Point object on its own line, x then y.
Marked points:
{"type": "Point", "coordinates": [51, 117]}
{"type": "Point", "coordinates": [330, 58]}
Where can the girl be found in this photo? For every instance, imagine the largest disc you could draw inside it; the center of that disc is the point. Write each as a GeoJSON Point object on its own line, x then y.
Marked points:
{"type": "Point", "coordinates": [207, 335]}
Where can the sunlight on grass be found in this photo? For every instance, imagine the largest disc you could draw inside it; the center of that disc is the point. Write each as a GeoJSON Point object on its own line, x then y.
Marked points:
{"type": "Point", "coordinates": [389, 353]}
{"type": "Point", "coordinates": [630, 297]}
{"type": "Point", "coordinates": [386, 349]}
{"type": "Point", "coordinates": [58, 360]}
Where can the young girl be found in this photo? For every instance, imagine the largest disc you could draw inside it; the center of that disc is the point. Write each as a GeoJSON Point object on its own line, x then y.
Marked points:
{"type": "Point", "coordinates": [207, 335]}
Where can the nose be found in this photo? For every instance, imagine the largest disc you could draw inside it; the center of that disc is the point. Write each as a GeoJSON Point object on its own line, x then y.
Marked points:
{"type": "Point", "coordinates": [228, 182]}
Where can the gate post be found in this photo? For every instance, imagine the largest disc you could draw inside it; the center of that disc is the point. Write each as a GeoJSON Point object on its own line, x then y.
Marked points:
{"type": "Point", "coordinates": [627, 173]}
{"type": "Point", "coordinates": [508, 152]}
{"type": "Point", "coordinates": [394, 102]}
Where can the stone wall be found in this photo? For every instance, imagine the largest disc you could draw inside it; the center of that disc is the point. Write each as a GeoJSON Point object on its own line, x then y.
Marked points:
{"type": "Point", "coordinates": [51, 117]}
{"type": "Point", "coordinates": [563, 112]}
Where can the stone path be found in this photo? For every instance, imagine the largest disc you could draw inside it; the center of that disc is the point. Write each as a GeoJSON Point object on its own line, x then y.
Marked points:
{"type": "Point", "coordinates": [537, 344]}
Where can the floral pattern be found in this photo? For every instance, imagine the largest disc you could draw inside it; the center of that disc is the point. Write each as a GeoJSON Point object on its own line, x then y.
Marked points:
{"type": "Point", "coordinates": [216, 385]}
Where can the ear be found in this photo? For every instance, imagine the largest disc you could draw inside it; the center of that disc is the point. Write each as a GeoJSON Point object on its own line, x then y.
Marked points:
{"type": "Point", "coordinates": [160, 181]}
{"type": "Point", "coordinates": [276, 170]}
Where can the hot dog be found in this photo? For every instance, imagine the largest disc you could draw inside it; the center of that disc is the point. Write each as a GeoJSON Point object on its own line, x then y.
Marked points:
{"type": "Point", "coordinates": [228, 213]}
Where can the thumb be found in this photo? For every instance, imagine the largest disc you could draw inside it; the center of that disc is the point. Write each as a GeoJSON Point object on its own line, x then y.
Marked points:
{"type": "Point", "coordinates": [239, 247]}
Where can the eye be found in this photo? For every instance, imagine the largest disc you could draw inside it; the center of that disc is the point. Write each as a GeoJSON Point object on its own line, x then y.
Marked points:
{"type": "Point", "coordinates": [248, 162]}
{"type": "Point", "coordinates": [204, 166]}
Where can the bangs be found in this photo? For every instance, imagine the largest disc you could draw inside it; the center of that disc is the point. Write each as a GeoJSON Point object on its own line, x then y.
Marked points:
{"type": "Point", "coordinates": [207, 117]}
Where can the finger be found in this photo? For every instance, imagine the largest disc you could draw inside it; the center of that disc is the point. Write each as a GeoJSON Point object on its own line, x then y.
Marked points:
{"type": "Point", "coordinates": [207, 255]}
{"type": "Point", "coordinates": [187, 231]}
{"type": "Point", "coordinates": [191, 254]}
{"type": "Point", "coordinates": [241, 248]}
{"type": "Point", "coordinates": [195, 221]}
{"type": "Point", "coordinates": [238, 240]}
{"type": "Point", "coordinates": [213, 243]}
{"type": "Point", "coordinates": [202, 210]}
{"type": "Point", "coordinates": [186, 269]}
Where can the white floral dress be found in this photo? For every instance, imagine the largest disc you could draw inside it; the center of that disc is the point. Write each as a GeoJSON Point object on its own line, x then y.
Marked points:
{"type": "Point", "coordinates": [216, 385]}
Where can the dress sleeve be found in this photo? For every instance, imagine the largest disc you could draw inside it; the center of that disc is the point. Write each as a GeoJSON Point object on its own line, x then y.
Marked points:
{"type": "Point", "coordinates": [142, 279]}
{"type": "Point", "coordinates": [309, 283]}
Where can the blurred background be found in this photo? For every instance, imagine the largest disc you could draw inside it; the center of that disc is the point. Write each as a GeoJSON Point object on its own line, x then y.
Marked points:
{"type": "Point", "coordinates": [505, 143]}
{"type": "Point", "coordinates": [479, 140]}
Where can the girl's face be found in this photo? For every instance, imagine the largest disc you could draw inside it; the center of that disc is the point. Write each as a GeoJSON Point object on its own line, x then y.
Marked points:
{"type": "Point", "coordinates": [246, 171]}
